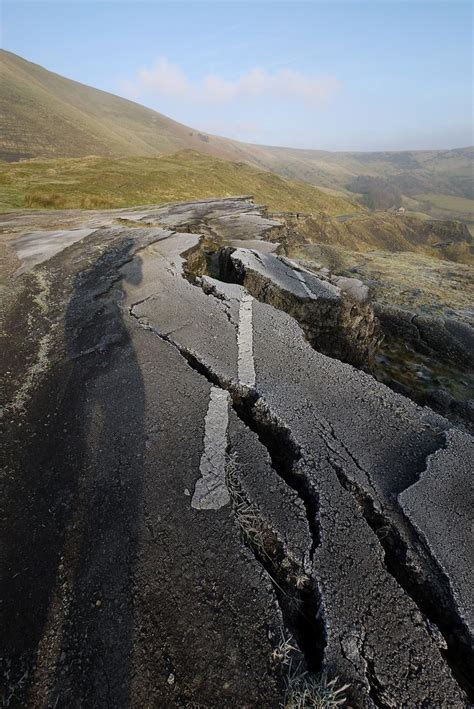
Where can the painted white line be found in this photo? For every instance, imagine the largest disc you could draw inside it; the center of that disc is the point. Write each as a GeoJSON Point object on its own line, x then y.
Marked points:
{"type": "Point", "coordinates": [211, 492]}
{"type": "Point", "coordinates": [245, 364]}
{"type": "Point", "coordinates": [301, 279]}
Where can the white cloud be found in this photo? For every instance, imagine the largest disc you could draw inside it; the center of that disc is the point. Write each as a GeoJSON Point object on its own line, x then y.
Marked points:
{"type": "Point", "coordinates": [165, 79]}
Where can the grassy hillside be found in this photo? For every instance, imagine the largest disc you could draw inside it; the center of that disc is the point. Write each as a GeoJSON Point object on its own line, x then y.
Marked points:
{"type": "Point", "coordinates": [97, 182]}
{"type": "Point", "coordinates": [47, 115]}
{"type": "Point", "coordinates": [383, 232]}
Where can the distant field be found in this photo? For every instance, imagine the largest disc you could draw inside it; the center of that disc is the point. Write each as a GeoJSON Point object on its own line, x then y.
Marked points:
{"type": "Point", "coordinates": [448, 203]}
{"type": "Point", "coordinates": [100, 182]}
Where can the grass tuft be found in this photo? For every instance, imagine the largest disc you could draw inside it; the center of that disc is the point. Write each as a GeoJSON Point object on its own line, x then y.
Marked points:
{"type": "Point", "coordinates": [52, 200]}
{"type": "Point", "coordinates": [247, 515]}
{"type": "Point", "coordinates": [306, 690]}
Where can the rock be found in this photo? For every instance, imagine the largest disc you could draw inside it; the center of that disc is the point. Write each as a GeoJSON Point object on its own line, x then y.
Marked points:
{"type": "Point", "coordinates": [354, 287]}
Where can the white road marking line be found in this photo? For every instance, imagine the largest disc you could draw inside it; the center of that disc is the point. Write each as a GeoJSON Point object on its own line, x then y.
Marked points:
{"type": "Point", "coordinates": [301, 279]}
{"type": "Point", "coordinates": [211, 491]}
{"type": "Point", "coordinates": [245, 364]}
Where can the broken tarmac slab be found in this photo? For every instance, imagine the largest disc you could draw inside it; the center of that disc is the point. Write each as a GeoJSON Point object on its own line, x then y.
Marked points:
{"type": "Point", "coordinates": [334, 322]}
{"type": "Point", "coordinates": [38, 246]}
{"type": "Point", "coordinates": [112, 573]}
{"type": "Point", "coordinates": [443, 499]}
{"type": "Point", "coordinates": [341, 455]}
{"type": "Point", "coordinates": [430, 334]}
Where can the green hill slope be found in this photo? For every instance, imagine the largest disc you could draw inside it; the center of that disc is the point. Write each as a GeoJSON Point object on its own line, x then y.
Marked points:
{"type": "Point", "coordinates": [119, 182]}
{"type": "Point", "coordinates": [46, 115]}
{"type": "Point", "coordinates": [43, 114]}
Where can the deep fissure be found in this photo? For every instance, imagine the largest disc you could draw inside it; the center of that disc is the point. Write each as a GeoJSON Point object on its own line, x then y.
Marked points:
{"type": "Point", "coordinates": [297, 594]}
{"type": "Point", "coordinates": [306, 623]}
{"type": "Point", "coordinates": [437, 607]}
{"type": "Point", "coordinates": [285, 454]}
{"type": "Point", "coordinates": [376, 691]}
{"type": "Point", "coordinates": [216, 263]}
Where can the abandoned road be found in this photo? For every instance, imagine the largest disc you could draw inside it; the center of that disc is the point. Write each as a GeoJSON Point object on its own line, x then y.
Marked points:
{"type": "Point", "coordinates": [204, 501]}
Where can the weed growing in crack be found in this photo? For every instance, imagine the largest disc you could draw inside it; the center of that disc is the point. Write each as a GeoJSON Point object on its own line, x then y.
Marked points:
{"type": "Point", "coordinates": [294, 589]}
{"type": "Point", "coordinates": [13, 686]}
{"type": "Point", "coordinates": [247, 514]}
{"type": "Point", "coordinates": [305, 690]}
{"type": "Point", "coordinates": [260, 537]}
{"type": "Point", "coordinates": [284, 651]}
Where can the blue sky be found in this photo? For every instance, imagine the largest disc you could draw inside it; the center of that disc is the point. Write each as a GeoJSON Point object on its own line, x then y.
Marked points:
{"type": "Point", "coordinates": [339, 75]}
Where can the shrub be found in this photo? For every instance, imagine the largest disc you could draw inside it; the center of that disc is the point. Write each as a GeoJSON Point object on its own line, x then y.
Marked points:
{"type": "Point", "coordinates": [92, 202]}
{"type": "Point", "coordinates": [54, 200]}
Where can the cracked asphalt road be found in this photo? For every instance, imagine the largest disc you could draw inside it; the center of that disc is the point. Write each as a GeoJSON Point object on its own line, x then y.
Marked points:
{"type": "Point", "coordinates": [188, 484]}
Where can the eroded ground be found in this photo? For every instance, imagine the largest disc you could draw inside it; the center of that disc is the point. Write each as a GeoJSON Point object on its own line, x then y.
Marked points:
{"type": "Point", "coordinates": [198, 506]}
{"type": "Point", "coordinates": [406, 279]}
{"type": "Point", "coordinates": [425, 305]}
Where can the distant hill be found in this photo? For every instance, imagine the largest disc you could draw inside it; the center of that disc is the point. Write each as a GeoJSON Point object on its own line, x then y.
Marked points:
{"type": "Point", "coordinates": [102, 182]}
{"type": "Point", "coordinates": [412, 172]}
{"type": "Point", "coordinates": [43, 114]}
{"type": "Point", "coordinates": [46, 115]}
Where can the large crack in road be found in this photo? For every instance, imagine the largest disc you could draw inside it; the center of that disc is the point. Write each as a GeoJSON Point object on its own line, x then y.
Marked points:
{"type": "Point", "coordinates": [306, 622]}
{"type": "Point", "coordinates": [199, 506]}
{"type": "Point", "coordinates": [434, 598]}
{"type": "Point", "coordinates": [426, 584]}
{"type": "Point", "coordinates": [429, 587]}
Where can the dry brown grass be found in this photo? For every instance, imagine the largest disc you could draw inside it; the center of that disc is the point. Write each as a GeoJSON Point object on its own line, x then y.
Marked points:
{"type": "Point", "coordinates": [53, 200]}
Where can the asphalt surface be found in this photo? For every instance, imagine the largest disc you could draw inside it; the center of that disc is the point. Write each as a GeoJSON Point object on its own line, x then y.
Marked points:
{"type": "Point", "coordinates": [197, 505]}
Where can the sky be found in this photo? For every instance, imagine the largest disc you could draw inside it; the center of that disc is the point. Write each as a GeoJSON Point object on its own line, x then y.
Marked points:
{"type": "Point", "coordinates": [332, 75]}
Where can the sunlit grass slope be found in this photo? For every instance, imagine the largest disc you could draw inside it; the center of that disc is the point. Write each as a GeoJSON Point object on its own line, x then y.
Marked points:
{"type": "Point", "coordinates": [99, 182]}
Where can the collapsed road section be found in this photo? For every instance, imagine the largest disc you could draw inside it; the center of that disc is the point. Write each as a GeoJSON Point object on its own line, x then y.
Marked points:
{"type": "Point", "coordinates": [198, 507]}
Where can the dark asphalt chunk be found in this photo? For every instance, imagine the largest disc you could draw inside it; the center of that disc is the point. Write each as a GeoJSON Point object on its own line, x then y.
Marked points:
{"type": "Point", "coordinates": [334, 323]}
{"type": "Point", "coordinates": [169, 304]}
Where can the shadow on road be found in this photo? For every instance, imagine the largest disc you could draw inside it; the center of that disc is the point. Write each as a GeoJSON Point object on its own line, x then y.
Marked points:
{"type": "Point", "coordinates": [71, 510]}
